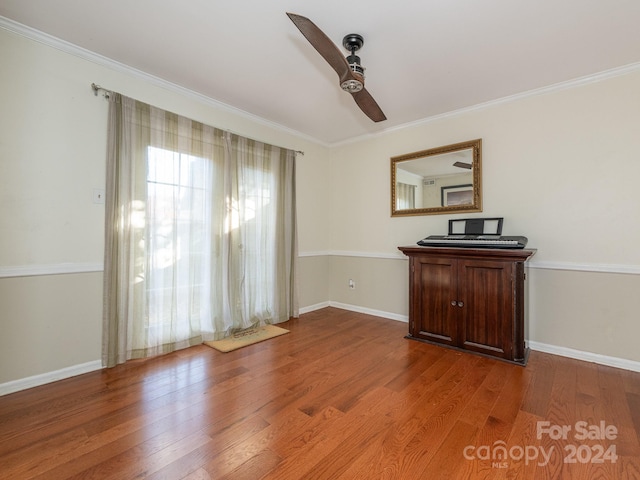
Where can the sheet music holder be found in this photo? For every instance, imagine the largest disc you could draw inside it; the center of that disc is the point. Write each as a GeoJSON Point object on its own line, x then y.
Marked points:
{"type": "Point", "coordinates": [476, 226]}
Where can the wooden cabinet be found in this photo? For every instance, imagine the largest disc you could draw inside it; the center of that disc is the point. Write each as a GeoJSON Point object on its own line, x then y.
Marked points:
{"type": "Point", "coordinates": [469, 298]}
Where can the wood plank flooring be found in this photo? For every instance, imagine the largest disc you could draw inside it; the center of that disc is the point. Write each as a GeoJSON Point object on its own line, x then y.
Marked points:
{"type": "Point", "coordinates": [343, 396]}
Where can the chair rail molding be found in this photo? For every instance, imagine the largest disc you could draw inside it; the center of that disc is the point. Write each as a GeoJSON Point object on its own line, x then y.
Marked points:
{"type": "Point", "coordinates": [540, 265]}
{"type": "Point", "coordinates": [50, 269]}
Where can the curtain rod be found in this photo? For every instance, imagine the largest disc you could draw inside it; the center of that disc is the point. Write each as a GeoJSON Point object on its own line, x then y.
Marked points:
{"type": "Point", "coordinates": [97, 88]}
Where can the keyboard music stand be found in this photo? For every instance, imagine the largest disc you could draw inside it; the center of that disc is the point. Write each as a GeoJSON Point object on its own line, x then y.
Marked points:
{"type": "Point", "coordinates": [476, 226]}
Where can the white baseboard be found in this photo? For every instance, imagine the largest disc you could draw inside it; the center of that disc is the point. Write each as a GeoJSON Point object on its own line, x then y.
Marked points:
{"type": "Point", "coordinates": [37, 380]}
{"type": "Point", "coordinates": [537, 346]}
{"type": "Point", "coordinates": [356, 308]}
{"type": "Point", "coordinates": [586, 356]}
{"type": "Point", "coordinates": [312, 308]}
{"type": "Point", "coordinates": [370, 311]}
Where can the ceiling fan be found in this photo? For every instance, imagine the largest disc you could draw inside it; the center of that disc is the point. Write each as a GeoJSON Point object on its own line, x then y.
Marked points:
{"type": "Point", "coordinates": [349, 70]}
{"type": "Point", "coordinates": [463, 165]}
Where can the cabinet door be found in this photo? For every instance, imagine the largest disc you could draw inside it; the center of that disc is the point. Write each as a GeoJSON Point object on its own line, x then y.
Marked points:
{"type": "Point", "coordinates": [433, 315]}
{"type": "Point", "coordinates": [485, 287]}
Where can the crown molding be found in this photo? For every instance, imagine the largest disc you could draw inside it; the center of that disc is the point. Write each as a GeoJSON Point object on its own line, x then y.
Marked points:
{"type": "Point", "coordinates": [556, 87]}
{"type": "Point", "coordinates": [88, 55]}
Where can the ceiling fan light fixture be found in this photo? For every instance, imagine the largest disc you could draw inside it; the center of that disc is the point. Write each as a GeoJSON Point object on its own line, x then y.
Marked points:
{"type": "Point", "coordinates": [352, 86]}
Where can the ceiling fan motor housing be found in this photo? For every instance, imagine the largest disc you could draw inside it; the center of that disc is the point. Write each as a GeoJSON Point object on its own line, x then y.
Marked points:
{"type": "Point", "coordinates": [353, 42]}
{"type": "Point", "coordinates": [354, 62]}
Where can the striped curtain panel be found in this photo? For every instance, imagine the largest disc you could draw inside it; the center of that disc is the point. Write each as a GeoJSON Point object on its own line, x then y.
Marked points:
{"type": "Point", "coordinates": [200, 236]}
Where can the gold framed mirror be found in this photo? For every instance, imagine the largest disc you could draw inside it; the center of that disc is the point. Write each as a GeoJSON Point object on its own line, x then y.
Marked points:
{"type": "Point", "coordinates": [438, 180]}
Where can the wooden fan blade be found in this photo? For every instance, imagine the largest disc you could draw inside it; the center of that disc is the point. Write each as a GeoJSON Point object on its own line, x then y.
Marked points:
{"type": "Point", "coordinates": [334, 57]}
{"type": "Point", "coordinates": [323, 44]}
{"type": "Point", "coordinates": [463, 165]}
{"type": "Point", "coordinates": [368, 105]}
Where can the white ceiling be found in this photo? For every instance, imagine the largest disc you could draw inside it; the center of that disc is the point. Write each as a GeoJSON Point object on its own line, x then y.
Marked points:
{"type": "Point", "coordinates": [423, 57]}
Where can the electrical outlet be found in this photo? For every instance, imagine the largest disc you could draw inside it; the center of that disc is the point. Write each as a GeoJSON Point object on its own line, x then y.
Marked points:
{"type": "Point", "coordinates": [352, 284]}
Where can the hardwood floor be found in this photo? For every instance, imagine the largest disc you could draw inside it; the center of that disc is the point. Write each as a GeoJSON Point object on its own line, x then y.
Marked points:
{"type": "Point", "coordinates": [343, 396]}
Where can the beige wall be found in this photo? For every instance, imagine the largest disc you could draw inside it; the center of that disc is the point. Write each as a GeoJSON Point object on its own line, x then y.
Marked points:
{"type": "Point", "coordinates": [313, 284]}
{"type": "Point", "coordinates": [562, 168]}
{"type": "Point", "coordinates": [381, 284]}
{"type": "Point", "coordinates": [557, 166]}
{"type": "Point", "coordinates": [52, 156]}
{"type": "Point", "coordinates": [586, 311]}
{"type": "Point", "coordinates": [49, 323]}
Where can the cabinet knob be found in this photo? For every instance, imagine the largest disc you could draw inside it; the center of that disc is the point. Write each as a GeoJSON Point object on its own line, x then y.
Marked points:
{"type": "Point", "coordinates": [453, 302]}
{"type": "Point", "coordinates": [461, 304]}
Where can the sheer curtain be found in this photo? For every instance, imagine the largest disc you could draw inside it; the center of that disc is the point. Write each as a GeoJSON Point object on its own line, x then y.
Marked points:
{"type": "Point", "coordinates": [200, 233]}
{"type": "Point", "coordinates": [406, 195]}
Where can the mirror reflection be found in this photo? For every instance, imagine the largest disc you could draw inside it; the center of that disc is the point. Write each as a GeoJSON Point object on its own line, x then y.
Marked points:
{"type": "Point", "coordinates": [439, 180]}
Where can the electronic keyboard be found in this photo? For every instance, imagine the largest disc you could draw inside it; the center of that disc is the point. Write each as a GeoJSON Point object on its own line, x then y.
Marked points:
{"type": "Point", "coordinates": [474, 241]}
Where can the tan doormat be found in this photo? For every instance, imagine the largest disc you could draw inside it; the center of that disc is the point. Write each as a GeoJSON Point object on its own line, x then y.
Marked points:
{"type": "Point", "coordinates": [246, 337]}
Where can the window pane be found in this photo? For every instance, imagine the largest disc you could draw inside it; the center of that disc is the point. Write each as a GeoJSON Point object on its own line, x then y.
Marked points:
{"type": "Point", "coordinates": [178, 236]}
